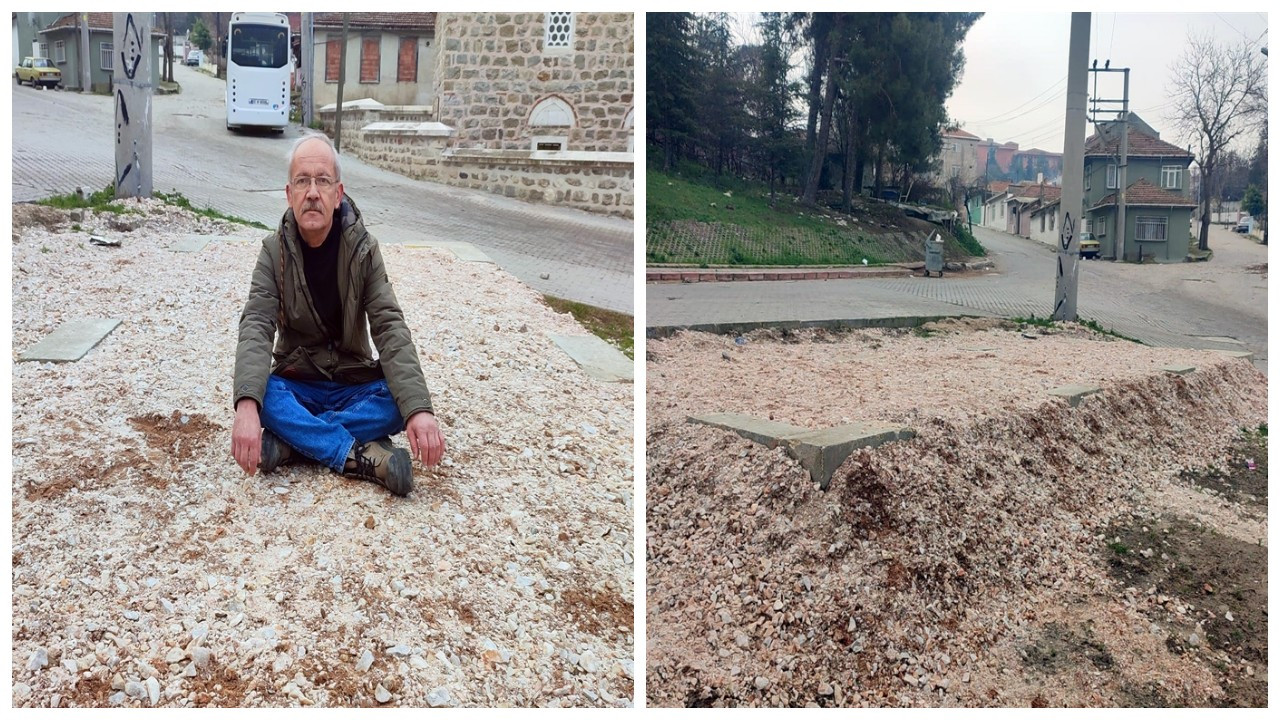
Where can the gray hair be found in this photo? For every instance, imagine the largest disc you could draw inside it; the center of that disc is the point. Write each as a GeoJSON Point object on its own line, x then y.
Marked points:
{"type": "Point", "coordinates": [337, 162]}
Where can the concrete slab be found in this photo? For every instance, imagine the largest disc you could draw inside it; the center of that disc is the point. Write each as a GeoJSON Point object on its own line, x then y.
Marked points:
{"type": "Point", "coordinates": [71, 341]}
{"type": "Point", "coordinates": [765, 432]}
{"type": "Point", "coordinates": [1179, 369]}
{"type": "Point", "coordinates": [822, 451]}
{"type": "Point", "coordinates": [190, 243]}
{"type": "Point", "coordinates": [1241, 354]}
{"type": "Point", "coordinates": [1075, 393]}
{"type": "Point", "coordinates": [596, 357]}
{"type": "Point", "coordinates": [819, 451]}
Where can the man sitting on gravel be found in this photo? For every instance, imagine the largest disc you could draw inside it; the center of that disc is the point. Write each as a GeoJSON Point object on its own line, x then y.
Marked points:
{"type": "Point", "coordinates": [321, 394]}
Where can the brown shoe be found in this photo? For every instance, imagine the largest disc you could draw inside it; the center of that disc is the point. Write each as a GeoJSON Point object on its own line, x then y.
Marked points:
{"type": "Point", "coordinates": [383, 463]}
{"type": "Point", "coordinates": [275, 452]}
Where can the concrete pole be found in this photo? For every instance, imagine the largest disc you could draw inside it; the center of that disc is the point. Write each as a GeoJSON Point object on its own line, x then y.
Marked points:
{"type": "Point", "coordinates": [308, 67]}
{"type": "Point", "coordinates": [132, 87]}
{"type": "Point", "coordinates": [1064, 306]}
{"type": "Point", "coordinates": [1122, 173]}
{"type": "Point", "coordinates": [86, 77]}
{"type": "Point", "coordinates": [342, 80]}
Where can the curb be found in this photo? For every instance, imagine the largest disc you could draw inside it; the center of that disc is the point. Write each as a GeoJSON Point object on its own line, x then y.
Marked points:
{"type": "Point", "coordinates": [657, 332]}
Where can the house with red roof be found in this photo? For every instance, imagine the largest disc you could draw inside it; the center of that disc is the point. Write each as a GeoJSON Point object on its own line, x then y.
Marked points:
{"type": "Point", "coordinates": [1158, 203]}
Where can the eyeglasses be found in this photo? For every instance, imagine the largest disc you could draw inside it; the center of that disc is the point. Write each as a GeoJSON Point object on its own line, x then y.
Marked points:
{"type": "Point", "coordinates": [303, 182]}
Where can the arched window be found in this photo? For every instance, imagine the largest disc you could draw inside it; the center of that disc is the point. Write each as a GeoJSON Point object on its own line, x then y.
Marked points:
{"type": "Point", "coordinates": [551, 112]}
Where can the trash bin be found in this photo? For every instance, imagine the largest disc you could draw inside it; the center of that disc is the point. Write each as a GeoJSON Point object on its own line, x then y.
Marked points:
{"type": "Point", "coordinates": [933, 255]}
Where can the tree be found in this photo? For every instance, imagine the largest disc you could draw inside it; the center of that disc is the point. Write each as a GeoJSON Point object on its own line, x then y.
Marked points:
{"type": "Point", "coordinates": [1215, 96]}
{"type": "Point", "coordinates": [1253, 202]}
{"type": "Point", "coordinates": [671, 79]}
{"type": "Point", "coordinates": [166, 68]}
{"type": "Point", "coordinates": [769, 101]}
{"type": "Point", "coordinates": [200, 35]}
{"type": "Point", "coordinates": [719, 101]}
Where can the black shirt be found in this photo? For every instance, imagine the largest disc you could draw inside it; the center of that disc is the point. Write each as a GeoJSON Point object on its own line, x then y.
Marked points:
{"type": "Point", "coordinates": [321, 268]}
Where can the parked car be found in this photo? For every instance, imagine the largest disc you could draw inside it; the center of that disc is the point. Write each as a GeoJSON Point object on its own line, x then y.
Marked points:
{"type": "Point", "coordinates": [38, 71]}
{"type": "Point", "coordinates": [195, 58]}
{"type": "Point", "coordinates": [1244, 225]}
{"type": "Point", "coordinates": [1089, 245]}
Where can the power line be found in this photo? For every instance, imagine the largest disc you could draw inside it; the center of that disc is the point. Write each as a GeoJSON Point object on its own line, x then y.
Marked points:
{"type": "Point", "coordinates": [1113, 35]}
{"type": "Point", "coordinates": [1052, 98]}
{"type": "Point", "coordinates": [1033, 99]}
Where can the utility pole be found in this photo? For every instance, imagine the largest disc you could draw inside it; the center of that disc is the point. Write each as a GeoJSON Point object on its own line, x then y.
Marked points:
{"type": "Point", "coordinates": [1068, 278]}
{"type": "Point", "coordinates": [307, 71]}
{"type": "Point", "coordinates": [342, 80]}
{"type": "Point", "coordinates": [1099, 105]}
{"type": "Point", "coordinates": [131, 84]}
{"type": "Point", "coordinates": [86, 80]}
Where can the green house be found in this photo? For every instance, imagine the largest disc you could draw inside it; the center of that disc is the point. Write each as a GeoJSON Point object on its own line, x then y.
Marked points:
{"type": "Point", "coordinates": [1158, 204]}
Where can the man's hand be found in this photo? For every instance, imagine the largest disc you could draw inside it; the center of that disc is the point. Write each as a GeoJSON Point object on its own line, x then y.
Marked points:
{"type": "Point", "coordinates": [426, 442]}
{"type": "Point", "coordinates": [246, 435]}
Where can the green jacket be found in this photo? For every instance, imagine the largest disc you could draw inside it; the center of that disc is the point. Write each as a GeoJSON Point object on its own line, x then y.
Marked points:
{"type": "Point", "coordinates": [304, 350]}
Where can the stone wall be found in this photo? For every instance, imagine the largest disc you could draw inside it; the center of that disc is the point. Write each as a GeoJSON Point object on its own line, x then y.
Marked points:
{"type": "Point", "coordinates": [493, 69]}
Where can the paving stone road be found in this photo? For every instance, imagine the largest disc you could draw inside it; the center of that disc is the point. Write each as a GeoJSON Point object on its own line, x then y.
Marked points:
{"type": "Point", "coordinates": [1220, 304]}
{"type": "Point", "coordinates": [64, 139]}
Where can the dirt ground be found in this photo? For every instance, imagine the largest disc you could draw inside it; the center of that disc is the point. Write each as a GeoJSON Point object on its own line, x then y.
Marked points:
{"type": "Point", "coordinates": [969, 566]}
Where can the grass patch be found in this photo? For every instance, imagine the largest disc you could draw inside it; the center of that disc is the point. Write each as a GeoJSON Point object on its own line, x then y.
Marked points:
{"type": "Point", "coordinates": [177, 199]}
{"type": "Point", "coordinates": [103, 200]}
{"type": "Point", "coordinates": [1118, 548]}
{"type": "Point", "coordinates": [694, 217]}
{"type": "Point", "coordinates": [1093, 325]}
{"type": "Point", "coordinates": [615, 328]}
{"type": "Point", "coordinates": [966, 240]}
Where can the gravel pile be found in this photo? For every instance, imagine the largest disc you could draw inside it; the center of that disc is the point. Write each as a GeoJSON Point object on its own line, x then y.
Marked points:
{"type": "Point", "coordinates": [149, 570]}
{"type": "Point", "coordinates": [918, 576]}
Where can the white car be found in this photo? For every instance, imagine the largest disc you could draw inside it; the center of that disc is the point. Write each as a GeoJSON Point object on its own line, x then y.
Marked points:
{"type": "Point", "coordinates": [195, 58]}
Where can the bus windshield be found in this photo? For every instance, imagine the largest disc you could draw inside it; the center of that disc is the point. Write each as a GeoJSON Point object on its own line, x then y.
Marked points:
{"type": "Point", "coordinates": [262, 46]}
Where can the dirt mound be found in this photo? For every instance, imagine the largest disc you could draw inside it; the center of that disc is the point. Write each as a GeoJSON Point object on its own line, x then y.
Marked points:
{"type": "Point", "coordinates": [928, 569]}
{"type": "Point", "coordinates": [28, 215]}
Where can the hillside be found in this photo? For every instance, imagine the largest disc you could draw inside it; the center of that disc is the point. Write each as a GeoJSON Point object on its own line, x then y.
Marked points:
{"type": "Point", "coordinates": [693, 223]}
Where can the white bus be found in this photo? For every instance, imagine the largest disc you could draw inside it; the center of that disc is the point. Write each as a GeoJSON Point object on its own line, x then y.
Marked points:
{"type": "Point", "coordinates": [258, 70]}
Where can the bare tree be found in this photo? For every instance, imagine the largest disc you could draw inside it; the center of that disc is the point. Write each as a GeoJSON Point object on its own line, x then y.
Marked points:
{"type": "Point", "coordinates": [1215, 94]}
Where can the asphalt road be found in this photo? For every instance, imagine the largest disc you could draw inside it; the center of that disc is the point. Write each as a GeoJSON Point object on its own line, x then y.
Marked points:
{"type": "Point", "coordinates": [63, 139]}
{"type": "Point", "coordinates": [1220, 304]}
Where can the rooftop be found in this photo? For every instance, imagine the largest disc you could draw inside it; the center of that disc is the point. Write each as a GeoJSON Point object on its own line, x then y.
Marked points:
{"type": "Point", "coordinates": [1143, 192]}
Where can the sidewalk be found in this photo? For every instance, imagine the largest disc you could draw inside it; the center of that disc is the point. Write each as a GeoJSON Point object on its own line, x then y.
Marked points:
{"type": "Point", "coordinates": [760, 273]}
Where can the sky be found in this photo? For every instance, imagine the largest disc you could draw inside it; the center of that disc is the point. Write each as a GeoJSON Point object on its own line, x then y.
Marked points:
{"type": "Point", "coordinates": [1015, 76]}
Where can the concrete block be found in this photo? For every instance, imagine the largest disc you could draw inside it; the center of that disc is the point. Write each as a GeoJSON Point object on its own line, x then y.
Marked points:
{"type": "Point", "coordinates": [596, 357]}
{"type": "Point", "coordinates": [71, 341]}
{"type": "Point", "coordinates": [1075, 393]}
{"type": "Point", "coordinates": [822, 451]}
{"type": "Point", "coordinates": [1179, 369]}
{"type": "Point", "coordinates": [765, 432]}
{"type": "Point", "coordinates": [818, 451]}
{"type": "Point", "coordinates": [190, 243]}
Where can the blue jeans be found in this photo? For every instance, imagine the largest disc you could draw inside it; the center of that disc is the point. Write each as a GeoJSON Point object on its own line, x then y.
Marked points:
{"type": "Point", "coordinates": [323, 419]}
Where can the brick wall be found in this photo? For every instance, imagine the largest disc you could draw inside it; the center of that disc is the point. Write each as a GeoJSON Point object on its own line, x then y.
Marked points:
{"type": "Point", "coordinates": [370, 58]}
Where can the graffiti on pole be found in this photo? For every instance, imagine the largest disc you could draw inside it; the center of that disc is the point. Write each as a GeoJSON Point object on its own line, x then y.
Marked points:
{"type": "Point", "coordinates": [132, 83]}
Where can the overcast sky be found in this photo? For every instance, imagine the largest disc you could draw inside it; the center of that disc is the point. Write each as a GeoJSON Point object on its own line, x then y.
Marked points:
{"type": "Point", "coordinates": [1015, 76]}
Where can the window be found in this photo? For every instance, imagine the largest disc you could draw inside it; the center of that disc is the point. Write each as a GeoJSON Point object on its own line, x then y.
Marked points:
{"type": "Point", "coordinates": [44, 49]}
{"type": "Point", "coordinates": [559, 35]}
{"type": "Point", "coordinates": [1101, 225]}
{"type": "Point", "coordinates": [548, 142]}
{"type": "Point", "coordinates": [332, 55]}
{"type": "Point", "coordinates": [1111, 177]}
{"type": "Point", "coordinates": [60, 51]}
{"type": "Point", "coordinates": [370, 58]}
{"type": "Point", "coordinates": [1151, 228]}
{"type": "Point", "coordinates": [259, 46]}
{"type": "Point", "coordinates": [1042, 222]}
{"type": "Point", "coordinates": [1171, 177]}
{"type": "Point", "coordinates": [1001, 209]}
{"type": "Point", "coordinates": [1086, 178]}
{"type": "Point", "coordinates": [551, 112]}
{"type": "Point", "coordinates": [1053, 217]}
{"type": "Point", "coordinates": [104, 56]}
{"type": "Point", "coordinates": [407, 60]}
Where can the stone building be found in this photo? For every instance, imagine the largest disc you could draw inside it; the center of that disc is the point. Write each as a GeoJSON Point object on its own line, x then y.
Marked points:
{"type": "Point", "coordinates": [535, 106]}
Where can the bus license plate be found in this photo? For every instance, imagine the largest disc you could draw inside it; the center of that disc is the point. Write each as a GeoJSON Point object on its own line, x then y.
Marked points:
{"type": "Point", "coordinates": [257, 101]}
